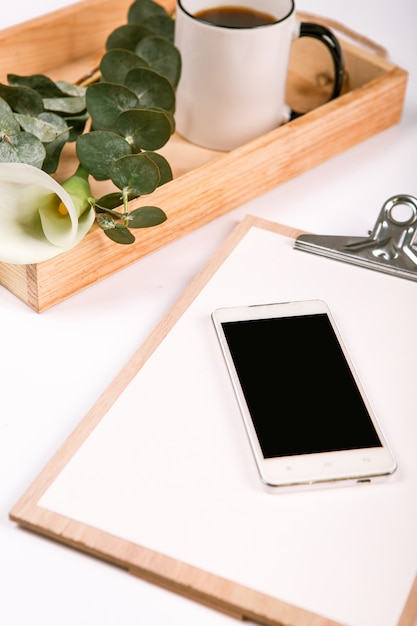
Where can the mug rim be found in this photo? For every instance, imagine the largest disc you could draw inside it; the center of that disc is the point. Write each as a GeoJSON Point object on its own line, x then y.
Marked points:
{"type": "Point", "coordinates": [236, 28]}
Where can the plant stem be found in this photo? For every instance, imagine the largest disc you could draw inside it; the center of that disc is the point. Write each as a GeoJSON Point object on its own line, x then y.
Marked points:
{"type": "Point", "coordinates": [125, 207]}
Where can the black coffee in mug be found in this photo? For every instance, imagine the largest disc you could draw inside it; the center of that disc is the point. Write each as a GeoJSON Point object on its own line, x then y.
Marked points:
{"type": "Point", "coordinates": [215, 99]}
{"type": "Point", "coordinates": [235, 17]}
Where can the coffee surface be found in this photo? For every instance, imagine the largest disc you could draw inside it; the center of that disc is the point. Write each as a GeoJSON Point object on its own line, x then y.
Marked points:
{"type": "Point", "coordinates": [235, 17]}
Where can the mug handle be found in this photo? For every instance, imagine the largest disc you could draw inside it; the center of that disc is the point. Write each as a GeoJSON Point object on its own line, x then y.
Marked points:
{"type": "Point", "coordinates": [323, 34]}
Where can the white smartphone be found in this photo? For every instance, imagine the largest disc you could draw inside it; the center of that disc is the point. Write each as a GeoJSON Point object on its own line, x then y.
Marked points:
{"type": "Point", "coordinates": [306, 415]}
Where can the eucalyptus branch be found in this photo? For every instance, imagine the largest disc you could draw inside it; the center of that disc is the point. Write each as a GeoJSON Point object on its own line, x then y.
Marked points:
{"type": "Point", "coordinates": [118, 116]}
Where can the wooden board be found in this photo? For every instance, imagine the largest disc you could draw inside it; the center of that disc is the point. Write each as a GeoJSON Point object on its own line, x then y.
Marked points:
{"type": "Point", "coordinates": [208, 587]}
{"type": "Point", "coordinates": [206, 184]}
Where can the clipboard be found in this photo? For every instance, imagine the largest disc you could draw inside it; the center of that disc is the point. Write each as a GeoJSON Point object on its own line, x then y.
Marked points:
{"type": "Point", "coordinates": [187, 512]}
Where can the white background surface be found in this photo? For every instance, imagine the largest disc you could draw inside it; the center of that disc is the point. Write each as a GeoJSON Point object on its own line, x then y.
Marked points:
{"type": "Point", "coordinates": [55, 365]}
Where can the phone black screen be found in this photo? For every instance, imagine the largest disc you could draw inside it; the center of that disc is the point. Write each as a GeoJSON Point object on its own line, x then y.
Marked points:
{"type": "Point", "coordinates": [298, 386]}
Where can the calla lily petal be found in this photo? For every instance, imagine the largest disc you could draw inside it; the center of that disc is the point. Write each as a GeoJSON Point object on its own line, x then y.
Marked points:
{"type": "Point", "coordinates": [38, 219]}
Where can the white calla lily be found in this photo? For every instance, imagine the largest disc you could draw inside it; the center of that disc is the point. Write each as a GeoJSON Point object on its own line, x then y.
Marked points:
{"type": "Point", "coordinates": [39, 218]}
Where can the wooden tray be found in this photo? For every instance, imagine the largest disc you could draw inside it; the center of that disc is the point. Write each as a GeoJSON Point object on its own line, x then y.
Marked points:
{"type": "Point", "coordinates": [206, 184]}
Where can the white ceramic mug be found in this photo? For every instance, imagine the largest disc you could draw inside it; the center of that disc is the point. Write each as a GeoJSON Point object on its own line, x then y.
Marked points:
{"type": "Point", "coordinates": [233, 80]}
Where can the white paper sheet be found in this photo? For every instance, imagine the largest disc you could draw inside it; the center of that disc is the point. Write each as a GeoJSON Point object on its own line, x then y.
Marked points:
{"type": "Point", "coordinates": [169, 466]}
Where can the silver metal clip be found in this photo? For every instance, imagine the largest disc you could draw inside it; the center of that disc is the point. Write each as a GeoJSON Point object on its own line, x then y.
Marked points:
{"type": "Point", "coordinates": [389, 248]}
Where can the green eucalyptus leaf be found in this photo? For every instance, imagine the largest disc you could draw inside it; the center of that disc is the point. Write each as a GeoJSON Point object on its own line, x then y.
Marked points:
{"type": "Point", "coordinates": [43, 85]}
{"type": "Point", "coordinates": [137, 174]}
{"type": "Point", "coordinates": [47, 127]}
{"type": "Point", "coordinates": [165, 171]}
{"type": "Point", "coordinates": [146, 216]}
{"type": "Point", "coordinates": [171, 119]}
{"type": "Point", "coordinates": [105, 101]}
{"type": "Point", "coordinates": [54, 147]}
{"type": "Point", "coordinates": [22, 99]}
{"type": "Point", "coordinates": [56, 122]}
{"type": "Point", "coordinates": [73, 105]}
{"type": "Point", "coordinates": [144, 129]}
{"type": "Point", "coordinates": [127, 36]}
{"type": "Point", "coordinates": [53, 151]}
{"type": "Point", "coordinates": [8, 123]}
{"type": "Point", "coordinates": [110, 201]}
{"type": "Point", "coordinates": [106, 222]}
{"type": "Point", "coordinates": [162, 56]}
{"type": "Point", "coordinates": [22, 148]}
{"type": "Point", "coordinates": [161, 25]}
{"type": "Point", "coordinates": [141, 10]}
{"type": "Point", "coordinates": [120, 234]}
{"type": "Point", "coordinates": [131, 109]}
{"type": "Point", "coordinates": [98, 150]}
{"type": "Point", "coordinates": [152, 89]}
{"type": "Point", "coordinates": [69, 89]}
{"type": "Point", "coordinates": [76, 124]}
{"type": "Point", "coordinates": [116, 63]}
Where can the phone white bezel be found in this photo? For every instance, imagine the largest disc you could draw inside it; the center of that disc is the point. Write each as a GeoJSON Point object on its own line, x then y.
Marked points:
{"type": "Point", "coordinates": [318, 469]}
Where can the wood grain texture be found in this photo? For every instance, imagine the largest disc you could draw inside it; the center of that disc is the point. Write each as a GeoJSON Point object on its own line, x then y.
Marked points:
{"type": "Point", "coordinates": [409, 614]}
{"type": "Point", "coordinates": [206, 184]}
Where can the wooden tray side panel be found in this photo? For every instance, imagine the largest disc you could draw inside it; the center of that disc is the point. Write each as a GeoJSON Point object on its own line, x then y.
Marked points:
{"type": "Point", "coordinates": [14, 278]}
{"type": "Point", "coordinates": [210, 191]}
